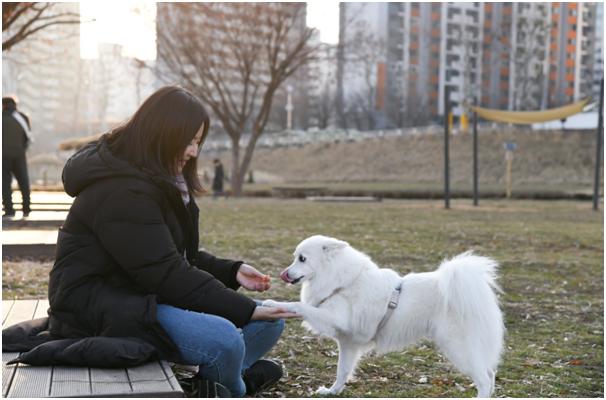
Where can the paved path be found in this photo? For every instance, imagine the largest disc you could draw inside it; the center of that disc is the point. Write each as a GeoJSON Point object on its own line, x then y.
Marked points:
{"type": "Point", "coordinates": [38, 197]}
{"type": "Point", "coordinates": [32, 243]}
{"type": "Point", "coordinates": [36, 220]}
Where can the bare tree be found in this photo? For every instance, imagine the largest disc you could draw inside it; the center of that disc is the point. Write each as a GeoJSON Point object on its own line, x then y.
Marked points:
{"type": "Point", "coordinates": [529, 56]}
{"type": "Point", "coordinates": [234, 56]}
{"type": "Point", "coordinates": [324, 101]}
{"type": "Point", "coordinates": [21, 20]}
{"type": "Point", "coordinates": [364, 52]}
{"type": "Point", "coordinates": [326, 105]}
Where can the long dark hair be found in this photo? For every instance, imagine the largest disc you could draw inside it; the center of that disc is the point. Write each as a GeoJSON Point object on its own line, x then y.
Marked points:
{"type": "Point", "coordinates": [158, 133]}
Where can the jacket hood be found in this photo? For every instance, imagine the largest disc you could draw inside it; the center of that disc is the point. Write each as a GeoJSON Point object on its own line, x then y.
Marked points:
{"type": "Point", "coordinates": [92, 163]}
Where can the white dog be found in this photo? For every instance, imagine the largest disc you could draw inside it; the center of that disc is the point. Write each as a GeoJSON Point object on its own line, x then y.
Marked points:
{"type": "Point", "coordinates": [345, 296]}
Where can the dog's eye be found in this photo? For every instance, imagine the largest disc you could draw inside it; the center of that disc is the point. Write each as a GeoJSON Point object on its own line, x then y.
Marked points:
{"type": "Point", "coordinates": [302, 258]}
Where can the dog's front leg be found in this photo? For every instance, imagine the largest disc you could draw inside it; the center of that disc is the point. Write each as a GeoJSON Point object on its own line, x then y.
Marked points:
{"type": "Point", "coordinates": [349, 354]}
{"type": "Point", "coordinates": [323, 321]}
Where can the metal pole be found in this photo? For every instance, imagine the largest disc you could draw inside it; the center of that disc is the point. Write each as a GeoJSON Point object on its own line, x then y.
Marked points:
{"type": "Point", "coordinates": [475, 154]}
{"type": "Point", "coordinates": [598, 157]}
{"type": "Point", "coordinates": [446, 149]}
{"type": "Point", "coordinates": [289, 108]}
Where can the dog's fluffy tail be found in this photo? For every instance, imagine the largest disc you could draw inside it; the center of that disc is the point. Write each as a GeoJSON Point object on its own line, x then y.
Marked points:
{"type": "Point", "coordinates": [468, 288]}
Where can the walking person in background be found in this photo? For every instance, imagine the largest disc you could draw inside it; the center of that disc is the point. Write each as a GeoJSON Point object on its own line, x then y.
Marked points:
{"type": "Point", "coordinates": [15, 141]}
{"type": "Point", "coordinates": [218, 178]}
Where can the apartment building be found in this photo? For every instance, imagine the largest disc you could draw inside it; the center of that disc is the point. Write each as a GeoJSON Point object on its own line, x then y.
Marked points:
{"type": "Point", "coordinates": [322, 89]}
{"type": "Point", "coordinates": [598, 65]}
{"type": "Point", "coordinates": [571, 53]}
{"type": "Point", "coordinates": [515, 56]}
{"type": "Point", "coordinates": [110, 88]}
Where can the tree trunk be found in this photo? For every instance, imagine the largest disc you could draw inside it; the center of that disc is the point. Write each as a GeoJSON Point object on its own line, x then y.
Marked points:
{"type": "Point", "coordinates": [235, 178]}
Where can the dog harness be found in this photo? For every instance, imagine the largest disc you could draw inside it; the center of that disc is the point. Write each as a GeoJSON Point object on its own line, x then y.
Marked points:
{"type": "Point", "coordinates": [393, 303]}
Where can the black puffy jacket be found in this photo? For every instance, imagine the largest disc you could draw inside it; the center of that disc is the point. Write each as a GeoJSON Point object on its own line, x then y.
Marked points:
{"type": "Point", "coordinates": [129, 243]}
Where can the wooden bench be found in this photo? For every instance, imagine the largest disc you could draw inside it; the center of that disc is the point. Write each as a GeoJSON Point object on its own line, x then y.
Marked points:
{"type": "Point", "coordinates": [154, 379]}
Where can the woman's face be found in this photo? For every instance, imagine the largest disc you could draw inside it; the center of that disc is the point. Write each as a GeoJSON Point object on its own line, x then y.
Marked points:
{"type": "Point", "coordinates": [191, 151]}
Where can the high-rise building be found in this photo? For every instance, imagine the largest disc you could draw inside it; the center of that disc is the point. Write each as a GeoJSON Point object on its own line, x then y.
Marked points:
{"type": "Point", "coordinates": [110, 88]}
{"type": "Point", "coordinates": [515, 47]}
{"type": "Point", "coordinates": [322, 88]}
{"type": "Point", "coordinates": [598, 65]}
{"type": "Point", "coordinates": [570, 43]}
{"type": "Point", "coordinates": [362, 60]}
{"type": "Point", "coordinates": [515, 56]}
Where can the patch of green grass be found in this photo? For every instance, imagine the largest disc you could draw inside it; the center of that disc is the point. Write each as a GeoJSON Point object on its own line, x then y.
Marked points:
{"type": "Point", "coordinates": [25, 279]}
{"type": "Point", "coordinates": [551, 256]}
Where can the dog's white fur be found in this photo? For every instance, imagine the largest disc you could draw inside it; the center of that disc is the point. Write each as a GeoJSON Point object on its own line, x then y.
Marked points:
{"type": "Point", "coordinates": [344, 295]}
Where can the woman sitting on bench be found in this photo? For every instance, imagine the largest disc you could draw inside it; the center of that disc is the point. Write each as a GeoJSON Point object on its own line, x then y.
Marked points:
{"type": "Point", "coordinates": [128, 263]}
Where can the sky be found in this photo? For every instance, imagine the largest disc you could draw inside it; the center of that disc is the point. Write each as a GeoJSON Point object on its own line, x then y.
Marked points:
{"type": "Point", "coordinates": [131, 24]}
{"type": "Point", "coordinates": [324, 15]}
{"type": "Point", "coordinates": [128, 23]}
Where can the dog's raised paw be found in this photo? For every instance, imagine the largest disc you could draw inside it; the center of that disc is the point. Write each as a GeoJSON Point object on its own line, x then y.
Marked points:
{"type": "Point", "coordinates": [270, 303]}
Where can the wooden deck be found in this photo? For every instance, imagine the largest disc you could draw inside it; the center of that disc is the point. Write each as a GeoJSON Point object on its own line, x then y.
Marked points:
{"type": "Point", "coordinates": [154, 379]}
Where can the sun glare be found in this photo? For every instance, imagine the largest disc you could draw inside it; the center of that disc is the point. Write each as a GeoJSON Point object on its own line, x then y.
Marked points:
{"type": "Point", "coordinates": [130, 24]}
{"type": "Point", "coordinates": [324, 15]}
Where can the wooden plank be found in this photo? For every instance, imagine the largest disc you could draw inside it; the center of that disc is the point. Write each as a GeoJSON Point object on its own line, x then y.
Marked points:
{"type": "Point", "coordinates": [150, 378]}
{"type": "Point", "coordinates": [22, 310]}
{"type": "Point", "coordinates": [27, 381]}
{"type": "Point", "coordinates": [172, 379]}
{"type": "Point", "coordinates": [8, 371]}
{"type": "Point", "coordinates": [31, 381]}
{"type": "Point", "coordinates": [70, 382]}
{"type": "Point", "coordinates": [109, 381]}
{"type": "Point", "coordinates": [6, 308]}
{"type": "Point", "coordinates": [41, 309]}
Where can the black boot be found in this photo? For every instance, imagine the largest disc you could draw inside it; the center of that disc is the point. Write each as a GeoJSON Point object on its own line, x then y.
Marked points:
{"type": "Point", "coordinates": [261, 375]}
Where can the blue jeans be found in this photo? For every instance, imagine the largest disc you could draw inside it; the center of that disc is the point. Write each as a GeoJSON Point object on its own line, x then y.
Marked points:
{"type": "Point", "coordinates": [221, 350]}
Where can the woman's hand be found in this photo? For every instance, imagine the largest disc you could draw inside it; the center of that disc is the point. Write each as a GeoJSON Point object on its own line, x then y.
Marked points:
{"type": "Point", "coordinates": [252, 279]}
{"type": "Point", "coordinates": [271, 313]}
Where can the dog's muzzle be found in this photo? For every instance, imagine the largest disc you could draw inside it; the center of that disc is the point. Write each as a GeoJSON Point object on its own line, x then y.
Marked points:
{"type": "Point", "coordinates": [286, 278]}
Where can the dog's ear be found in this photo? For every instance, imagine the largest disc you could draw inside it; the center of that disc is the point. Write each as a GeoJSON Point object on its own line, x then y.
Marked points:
{"type": "Point", "coordinates": [334, 244]}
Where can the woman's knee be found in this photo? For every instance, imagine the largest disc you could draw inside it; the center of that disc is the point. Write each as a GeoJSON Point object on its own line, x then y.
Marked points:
{"type": "Point", "coordinates": [278, 327]}
{"type": "Point", "coordinates": [230, 345]}
{"type": "Point", "coordinates": [271, 330]}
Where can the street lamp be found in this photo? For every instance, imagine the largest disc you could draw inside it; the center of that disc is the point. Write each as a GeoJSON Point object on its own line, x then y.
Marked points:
{"type": "Point", "coordinates": [289, 108]}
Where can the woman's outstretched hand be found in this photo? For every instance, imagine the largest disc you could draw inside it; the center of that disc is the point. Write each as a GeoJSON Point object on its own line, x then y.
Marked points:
{"type": "Point", "coordinates": [252, 279]}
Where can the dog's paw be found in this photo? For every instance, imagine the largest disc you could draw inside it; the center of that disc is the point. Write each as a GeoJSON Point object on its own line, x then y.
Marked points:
{"type": "Point", "coordinates": [292, 307]}
{"type": "Point", "coordinates": [270, 303]}
{"type": "Point", "coordinates": [323, 391]}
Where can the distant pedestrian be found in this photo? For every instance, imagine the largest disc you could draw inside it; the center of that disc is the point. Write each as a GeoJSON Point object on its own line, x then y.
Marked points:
{"type": "Point", "coordinates": [218, 178]}
{"type": "Point", "coordinates": [15, 141]}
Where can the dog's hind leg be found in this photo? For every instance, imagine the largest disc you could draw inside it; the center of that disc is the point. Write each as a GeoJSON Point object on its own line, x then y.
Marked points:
{"type": "Point", "coordinates": [469, 361]}
{"type": "Point", "coordinates": [492, 374]}
{"type": "Point", "coordinates": [484, 381]}
{"type": "Point", "coordinates": [349, 354]}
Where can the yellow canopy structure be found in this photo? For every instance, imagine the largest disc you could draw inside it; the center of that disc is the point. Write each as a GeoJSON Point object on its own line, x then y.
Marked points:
{"type": "Point", "coordinates": [531, 117]}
